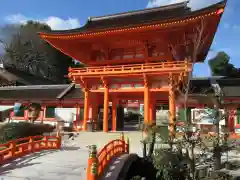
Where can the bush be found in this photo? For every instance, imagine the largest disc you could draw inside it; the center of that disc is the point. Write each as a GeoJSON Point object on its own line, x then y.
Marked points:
{"type": "Point", "coordinates": [170, 165]}
{"type": "Point", "coordinates": [11, 131]}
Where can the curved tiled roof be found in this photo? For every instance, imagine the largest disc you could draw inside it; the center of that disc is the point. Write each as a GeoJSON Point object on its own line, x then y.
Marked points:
{"type": "Point", "coordinates": [41, 92]}
{"type": "Point", "coordinates": [146, 16]}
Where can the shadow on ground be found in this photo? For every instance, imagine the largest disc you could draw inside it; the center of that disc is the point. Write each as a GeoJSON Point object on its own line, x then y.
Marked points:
{"type": "Point", "coordinates": [25, 161]}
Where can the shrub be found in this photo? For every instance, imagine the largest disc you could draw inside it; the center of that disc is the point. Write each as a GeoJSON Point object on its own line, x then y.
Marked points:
{"type": "Point", "coordinates": [11, 131]}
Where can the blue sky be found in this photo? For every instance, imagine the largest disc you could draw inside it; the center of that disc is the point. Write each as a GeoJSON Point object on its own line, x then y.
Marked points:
{"type": "Point", "coordinates": [62, 14]}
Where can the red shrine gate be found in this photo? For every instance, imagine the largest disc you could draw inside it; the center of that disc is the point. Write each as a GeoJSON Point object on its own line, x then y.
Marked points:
{"type": "Point", "coordinates": [139, 55]}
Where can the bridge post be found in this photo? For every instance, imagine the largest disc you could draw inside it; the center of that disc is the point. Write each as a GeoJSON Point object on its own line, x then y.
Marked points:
{"type": "Point", "coordinates": [13, 148]}
{"type": "Point", "coordinates": [31, 144]}
{"type": "Point", "coordinates": [92, 169]}
{"type": "Point", "coordinates": [123, 141]}
{"type": "Point", "coordinates": [122, 136]}
{"type": "Point", "coordinates": [45, 142]}
{"type": "Point", "coordinates": [59, 140]}
{"type": "Point", "coordinates": [128, 146]}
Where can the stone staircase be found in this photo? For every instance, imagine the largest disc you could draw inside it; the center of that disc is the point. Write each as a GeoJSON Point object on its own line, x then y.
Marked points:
{"type": "Point", "coordinates": [100, 139]}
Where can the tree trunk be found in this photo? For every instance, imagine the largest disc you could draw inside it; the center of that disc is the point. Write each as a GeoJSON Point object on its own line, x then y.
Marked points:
{"type": "Point", "coordinates": [144, 149]}
{"type": "Point", "coordinates": [191, 161]}
{"type": "Point", "coordinates": [152, 143]}
{"type": "Point", "coordinates": [217, 148]}
{"type": "Point", "coordinates": [217, 157]}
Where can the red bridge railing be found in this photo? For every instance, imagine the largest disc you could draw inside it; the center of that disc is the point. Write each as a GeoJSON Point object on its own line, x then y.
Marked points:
{"type": "Point", "coordinates": [98, 162]}
{"type": "Point", "coordinates": [23, 146]}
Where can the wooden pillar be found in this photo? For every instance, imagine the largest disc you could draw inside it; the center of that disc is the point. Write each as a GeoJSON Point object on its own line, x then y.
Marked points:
{"type": "Point", "coordinates": [86, 109]}
{"type": "Point", "coordinates": [114, 114]}
{"type": "Point", "coordinates": [172, 110]}
{"type": "Point", "coordinates": [95, 111]}
{"type": "Point", "coordinates": [105, 109]}
{"type": "Point", "coordinates": [146, 104]}
{"type": "Point", "coordinates": [152, 111]}
{"type": "Point", "coordinates": [90, 111]}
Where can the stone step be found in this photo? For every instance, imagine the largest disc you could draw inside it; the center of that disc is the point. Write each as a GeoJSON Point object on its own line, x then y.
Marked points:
{"type": "Point", "coordinates": [101, 138]}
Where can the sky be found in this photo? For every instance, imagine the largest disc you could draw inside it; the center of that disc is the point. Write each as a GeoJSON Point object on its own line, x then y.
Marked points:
{"type": "Point", "coordinates": [62, 14]}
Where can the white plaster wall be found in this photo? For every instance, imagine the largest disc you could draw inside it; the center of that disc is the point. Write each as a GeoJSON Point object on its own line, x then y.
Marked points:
{"type": "Point", "coordinates": [44, 122]}
{"type": "Point", "coordinates": [66, 114]}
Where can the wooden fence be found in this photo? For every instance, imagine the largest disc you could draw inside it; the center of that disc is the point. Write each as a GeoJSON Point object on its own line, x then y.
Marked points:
{"type": "Point", "coordinates": [23, 146]}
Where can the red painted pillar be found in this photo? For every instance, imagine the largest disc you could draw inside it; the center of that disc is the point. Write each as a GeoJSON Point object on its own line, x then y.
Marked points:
{"type": "Point", "coordinates": [105, 109]}
{"type": "Point", "coordinates": [152, 112]}
{"type": "Point", "coordinates": [86, 109]}
{"type": "Point", "coordinates": [114, 114]}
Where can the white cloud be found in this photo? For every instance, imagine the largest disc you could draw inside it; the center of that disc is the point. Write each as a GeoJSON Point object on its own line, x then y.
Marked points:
{"type": "Point", "coordinates": [236, 27]}
{"type": "Point", "coordinates": [194, 4]}
{"type": "Point", "coordinates": [54, 22]}
{"type": "Point", "coordinates": [226, 25]}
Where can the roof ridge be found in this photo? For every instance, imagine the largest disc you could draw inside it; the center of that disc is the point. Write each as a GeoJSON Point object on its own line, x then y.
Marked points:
{"type": "Point", "coordinates": [47, 86]}
{"type": "Point", "coordinates": [65, 91]}
{"type": "Point", "coordinates": [136, 12]}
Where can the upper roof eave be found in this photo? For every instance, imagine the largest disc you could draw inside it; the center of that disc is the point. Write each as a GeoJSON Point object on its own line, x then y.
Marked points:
{"type": "Point", "coordinates": [85, 29]}
{"type": "Point", "coordinates": [142, 11]}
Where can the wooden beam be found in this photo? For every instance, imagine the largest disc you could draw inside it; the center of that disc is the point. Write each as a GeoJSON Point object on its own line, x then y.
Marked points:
{"type": "Point", "coordinates": [126, 61]}
{"type": "Point", "coordinates": [163, 89]}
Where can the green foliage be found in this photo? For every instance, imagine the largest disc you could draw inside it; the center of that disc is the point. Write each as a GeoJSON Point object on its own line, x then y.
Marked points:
{"type": "Point", "coordinates": [170, 165]}
{"type": "Point", "coordinates": [220, 66]}
{"type": "Point", "coordinates": [13, 130]}
{"type": "Point", "coordinates": [27, 52]}
{"type": "Point", "coordinates": [136, 178]}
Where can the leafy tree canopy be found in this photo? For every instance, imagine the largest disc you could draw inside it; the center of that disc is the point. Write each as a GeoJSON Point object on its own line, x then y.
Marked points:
{"type": "Point", "coordinates": [27, 52]}
{"type": "Point", "coordinates": [220, 66]}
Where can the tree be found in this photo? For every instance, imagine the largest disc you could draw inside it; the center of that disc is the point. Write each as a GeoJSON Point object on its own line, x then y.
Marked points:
{"type": "Point", "coordinates": [220, 66]}
{"type": "Point", "coordinates": [27, 52]}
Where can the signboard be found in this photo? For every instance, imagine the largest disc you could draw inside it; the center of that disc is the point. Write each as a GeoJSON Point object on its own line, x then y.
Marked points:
{"type": "Point", "coordinates": [17, 107]}
{"type": "Point", "coordinates": [205, 116]}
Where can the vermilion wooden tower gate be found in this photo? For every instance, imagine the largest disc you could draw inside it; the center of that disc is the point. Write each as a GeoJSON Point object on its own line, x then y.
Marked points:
{"type": "Point", "coordinates": [142, 54]}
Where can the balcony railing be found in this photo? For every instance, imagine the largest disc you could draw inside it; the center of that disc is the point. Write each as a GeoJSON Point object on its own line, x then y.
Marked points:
{"type": "Point", "coordinates": [179, 66]}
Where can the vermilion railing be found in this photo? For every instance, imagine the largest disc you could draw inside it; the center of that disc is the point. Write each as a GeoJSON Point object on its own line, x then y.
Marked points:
{"type": "Point", "coordinates": [98, 162]}
{"type": "Point", "coordinates": [20, 147]}
{"type": "Point", "coordinates": [133, 68]}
